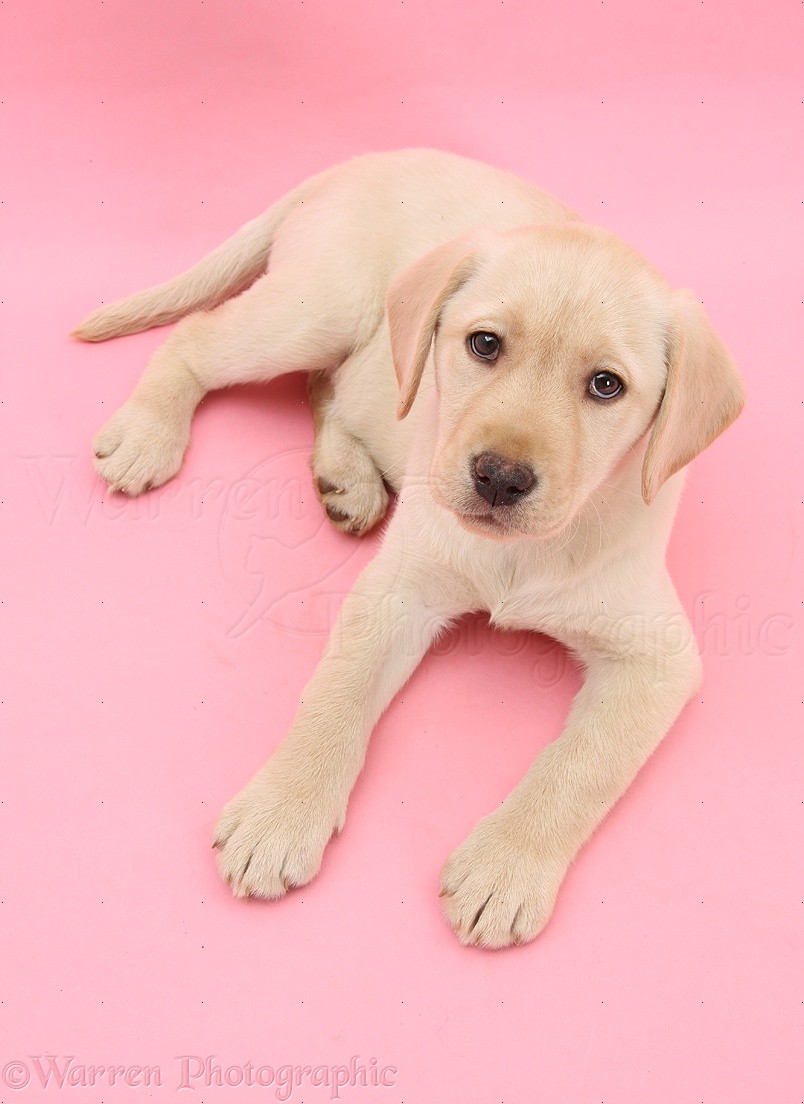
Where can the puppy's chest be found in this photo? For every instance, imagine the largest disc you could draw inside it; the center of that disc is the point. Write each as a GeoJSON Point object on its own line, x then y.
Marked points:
{"type": "Point", "coordinates": [513, 611]}
{"type": "Point", "coordinates": [552, 611]}
{"type": "Point", "coordinates": [532, 605]}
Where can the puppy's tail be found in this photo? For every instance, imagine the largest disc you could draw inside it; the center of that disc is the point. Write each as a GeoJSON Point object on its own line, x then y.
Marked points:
{"type": "Point", "coordinates": [224, 272]}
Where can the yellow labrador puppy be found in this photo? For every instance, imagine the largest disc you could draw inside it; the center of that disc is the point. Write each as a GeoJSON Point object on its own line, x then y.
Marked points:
{"type": "Point", "coordinates": [531, 388]}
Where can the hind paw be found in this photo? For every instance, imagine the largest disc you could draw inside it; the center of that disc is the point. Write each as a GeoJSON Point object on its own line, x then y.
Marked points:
{"type": "Point", "coordinates": [137, 449]}
{"type": "Point", "coordinates": [353, 507]}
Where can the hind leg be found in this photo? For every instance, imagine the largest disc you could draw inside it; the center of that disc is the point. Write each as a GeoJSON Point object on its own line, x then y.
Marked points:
{"type": "Point", "coordinates": [346, 479]}
{"type": "Point", "coordinates": [285, 322]}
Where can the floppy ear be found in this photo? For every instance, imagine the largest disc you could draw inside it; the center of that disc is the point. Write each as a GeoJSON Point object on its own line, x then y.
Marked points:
{"type": "Point", "coordinates": [702, 397]}
{"type": "Point", "coordinates": [414, 302]}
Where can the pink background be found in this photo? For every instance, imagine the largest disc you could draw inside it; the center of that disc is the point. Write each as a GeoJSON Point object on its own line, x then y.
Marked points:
{"type": "Point", "coordinates": [155, 649]}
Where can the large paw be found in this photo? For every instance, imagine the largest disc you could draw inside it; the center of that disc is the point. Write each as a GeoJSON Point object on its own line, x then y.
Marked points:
{"type": "Point", "coordinates": [137, 449]}
{"type": "Point", "coordinates": [496, 888]}
{"type": "Point", "coordinates": [272, 836]}
{"type": "Point", "coordinates": [356, 505]}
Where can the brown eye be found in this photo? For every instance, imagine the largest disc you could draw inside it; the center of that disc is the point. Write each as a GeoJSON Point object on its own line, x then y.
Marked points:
{"type": "Point", "coordinates": [605, 385]}
{"type": "Point", "coordinates": [484, 345]}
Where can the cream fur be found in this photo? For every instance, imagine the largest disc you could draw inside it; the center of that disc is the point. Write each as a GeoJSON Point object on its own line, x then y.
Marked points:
{"type": "Point", "coordinates": [454, 247]}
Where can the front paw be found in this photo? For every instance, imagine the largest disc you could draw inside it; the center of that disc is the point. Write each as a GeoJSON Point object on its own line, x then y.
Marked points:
{"type": "Point", "coordinates": [497, 888]}
{"type": "Point", "coordinates": [272, 835]}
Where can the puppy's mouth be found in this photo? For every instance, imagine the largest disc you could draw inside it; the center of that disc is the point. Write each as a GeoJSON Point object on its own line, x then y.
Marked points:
{"type": "Point", "coordinates": [477, 517]}
{"type": "Point", "coordinates": [488, 523]}
{"type": "Point", "coordinates": [499, 527]}
{"type": "Point", "coordinates": [502, 523]}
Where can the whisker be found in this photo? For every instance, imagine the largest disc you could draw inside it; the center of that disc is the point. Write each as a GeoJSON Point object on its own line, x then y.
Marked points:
{"type": "Point", "coordinates": [621, 490]}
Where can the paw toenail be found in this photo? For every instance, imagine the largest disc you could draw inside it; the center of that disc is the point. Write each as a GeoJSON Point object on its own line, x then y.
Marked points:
{"type": "Point", "coordinates": [336, 515]}
{"type": "Point", "coordinates": [325, 487]}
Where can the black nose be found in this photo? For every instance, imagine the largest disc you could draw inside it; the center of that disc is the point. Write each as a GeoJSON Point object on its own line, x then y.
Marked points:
{"type": "Point", "coordinates": [501, 482]}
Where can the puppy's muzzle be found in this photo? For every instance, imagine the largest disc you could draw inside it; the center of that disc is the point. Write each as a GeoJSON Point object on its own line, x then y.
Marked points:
{"type": "Point", "coordinates": [500, 481]}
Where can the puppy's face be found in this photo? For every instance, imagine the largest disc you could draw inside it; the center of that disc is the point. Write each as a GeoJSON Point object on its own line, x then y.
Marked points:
{"type": "Point", "coordinates": [550, 364]}
{"type": "Point", "coordinates": [552, 347]}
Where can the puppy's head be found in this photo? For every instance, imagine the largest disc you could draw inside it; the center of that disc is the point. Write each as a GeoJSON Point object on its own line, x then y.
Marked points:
{"type": "Point", "coordinates": [556, 349]}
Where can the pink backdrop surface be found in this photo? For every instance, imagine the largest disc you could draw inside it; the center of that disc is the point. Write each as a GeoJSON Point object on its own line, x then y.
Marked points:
{"type": "Point", "coordinates": [155, 649]}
